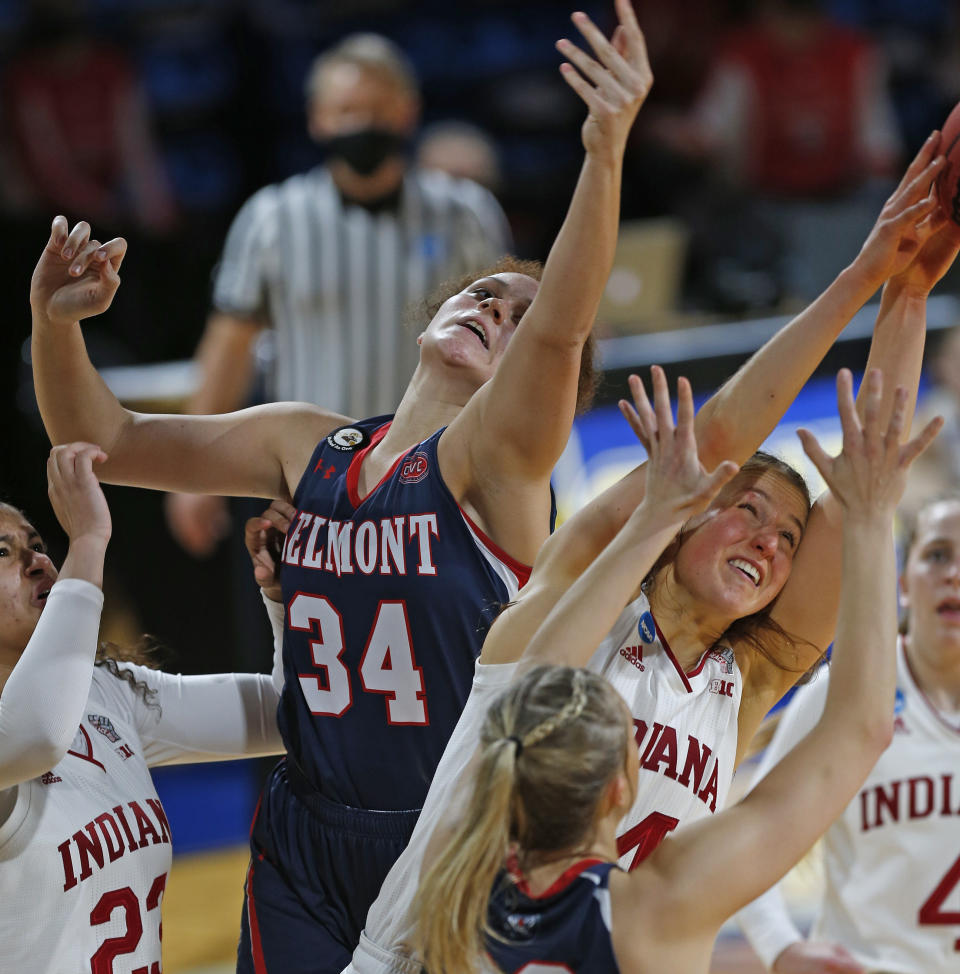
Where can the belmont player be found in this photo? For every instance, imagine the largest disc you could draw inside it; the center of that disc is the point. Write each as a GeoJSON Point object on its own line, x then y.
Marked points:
{"type": "Point", "coordinates": [84, 841]}
{"type": "Point", "coordinates": [385, 604]}
{"type": "Point", "coordinates": [554, 766]}
{"type": "Point", "coordinates": [892, 859]}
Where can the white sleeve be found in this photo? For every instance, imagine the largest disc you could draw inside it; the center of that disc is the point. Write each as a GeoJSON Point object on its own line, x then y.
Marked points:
{"type": "Point", "coordinates": [42, 702]}
{"type": "Point", "coordinates": [766, 922]}
{"type": "Point", "coordinates": [213, 717]}
{"type": "Point", "coordinates": [204, 718]}
{"type": "Point", "coordinates": [276, 613]}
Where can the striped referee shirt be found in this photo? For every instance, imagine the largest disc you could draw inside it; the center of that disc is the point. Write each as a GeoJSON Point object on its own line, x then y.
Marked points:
{"type": "Point", "coordinates": [334, 279]}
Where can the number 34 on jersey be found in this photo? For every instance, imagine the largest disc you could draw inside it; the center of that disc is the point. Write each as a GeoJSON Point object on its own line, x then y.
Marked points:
{"type": "Point", "coordinates": [387, 665]}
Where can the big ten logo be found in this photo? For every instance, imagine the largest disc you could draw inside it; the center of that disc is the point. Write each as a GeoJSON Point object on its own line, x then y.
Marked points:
{"type": "Point", "coordinates": [723, 687]}
{"type": "Point", "coordinates": [414, 468]}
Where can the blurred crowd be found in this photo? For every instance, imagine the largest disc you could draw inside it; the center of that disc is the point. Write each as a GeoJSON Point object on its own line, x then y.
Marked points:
{"type": "Point", "coordinates": [774, 129]}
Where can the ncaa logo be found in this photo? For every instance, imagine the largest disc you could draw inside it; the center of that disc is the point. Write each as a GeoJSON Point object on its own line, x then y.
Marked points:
{"type": "Point", "coordinates": [646, 628]}
{"type": "Point", "coordinates": [414, 468]}
{"type": "Point", "coordinates": [347, 438]}
{"type": "Point", "coordinates": [899, 702]}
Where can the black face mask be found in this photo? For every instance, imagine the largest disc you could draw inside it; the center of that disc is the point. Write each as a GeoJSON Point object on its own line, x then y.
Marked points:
{"type": "Point", "coordinates": [365, 150]}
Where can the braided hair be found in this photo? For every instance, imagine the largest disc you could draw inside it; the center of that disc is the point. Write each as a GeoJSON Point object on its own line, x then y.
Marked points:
{"type": "Point", "coordinates": [549, 746]}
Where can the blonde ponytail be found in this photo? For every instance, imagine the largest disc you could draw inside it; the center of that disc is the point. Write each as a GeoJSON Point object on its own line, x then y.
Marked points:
{"type": "Point", "coordinates": [548, 747]}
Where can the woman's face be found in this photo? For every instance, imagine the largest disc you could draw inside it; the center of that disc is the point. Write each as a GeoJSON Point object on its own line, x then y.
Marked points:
{"type": "Point", "coordinates": [930, 584]}
{"type": "Point", "coordinates": [471, 330]}
{"type": "Point", "coordinates": [736, 556]}
{"type": "Point", "coordinates": [26, 577]}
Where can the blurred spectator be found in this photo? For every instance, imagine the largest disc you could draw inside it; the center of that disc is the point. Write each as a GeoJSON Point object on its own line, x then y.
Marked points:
{"type": "Point", "coordinates": [330, 259]}
{"type": "Point", "coordinates": [796, 131]}
{"type": "Point", "coordinates": [461, 150]}
{"type": "Point", "coordinates": [78, 130]}
{"type": "Point", "coordinates": [796, 105]}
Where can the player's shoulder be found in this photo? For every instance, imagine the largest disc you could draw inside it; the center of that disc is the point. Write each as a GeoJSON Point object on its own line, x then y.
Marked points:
{"type": "Point", "coordinates": [117, 686]}
{"type": "Point", "coordinates": [303, 422]}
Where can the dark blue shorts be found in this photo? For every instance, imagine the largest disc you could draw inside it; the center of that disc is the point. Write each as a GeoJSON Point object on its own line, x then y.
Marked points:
{"type": "Point", "coordinates": [315, 868]}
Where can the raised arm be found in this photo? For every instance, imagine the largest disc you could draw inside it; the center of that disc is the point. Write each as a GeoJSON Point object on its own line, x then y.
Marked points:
{"type": "Point", "coordinates": [744, 411]}
{"type": "Point", "coordinates": [897, 351]}
{"type": "Point", "coordinates": [577, 620]}
{"type": "Point", "coordinates": [713, 868]}
{"type": "Point", "coordinates": [39, 714]}
{"type": "Point", "coordinates": [256, 452]}
{"type": "Point", "coordinates": [519, 423]}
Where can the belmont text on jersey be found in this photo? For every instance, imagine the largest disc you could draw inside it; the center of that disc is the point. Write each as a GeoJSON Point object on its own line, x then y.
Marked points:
{"type": "Point", "coordinates": [388, 598]}
{"type": "Point", "coordinates": [111, 835]}
{"type": "Point", "coordinates": [392, 545]}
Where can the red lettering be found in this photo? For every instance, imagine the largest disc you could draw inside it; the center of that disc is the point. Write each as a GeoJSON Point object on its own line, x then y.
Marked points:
{"type": "Point", "coordinates": [69, 878]}
{"type": "Point", "coordinates": [915, 810]}
{"type": "Point", "coordinates": [696, 761]}
{"type": "Point", "coordinates": [131, 841]}
{"type": "Point", "coordinates": [87, 848]}
{"type": "Point", "coordinates": [889, 802]}
{"type": "Point", "coordinates": [161, 815]}
{"type": "Point", "coordinates": [710, 791]}
{"type": "Point", "coordinates": [114, 848]}
{"type": "Point", "coordinates": [145, 825]}
{"type": "Point", "coordinates": [664, 753]}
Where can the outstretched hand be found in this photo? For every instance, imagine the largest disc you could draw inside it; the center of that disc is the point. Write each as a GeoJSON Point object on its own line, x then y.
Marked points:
{"type": "Point", "coordinates": [75, 493]}
{"type": "Point", "coordinates": [76, 277]}
{"type": "Point", "coordinates": [614, 85]}
{"type": "Point", "coordinates": [909, 218]}
{"type": "Point", "coordinates": [869, 475]}
{"type": "Point", "coordinates": [932, 260]}
{"type": "Point", "coordinates": [263, 537]}
{"type": "Point", "coordinates": [678, 486]}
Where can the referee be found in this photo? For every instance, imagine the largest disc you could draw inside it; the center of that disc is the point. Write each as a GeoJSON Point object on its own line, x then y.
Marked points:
{"type": "Point", "coordinates": [330, 259]}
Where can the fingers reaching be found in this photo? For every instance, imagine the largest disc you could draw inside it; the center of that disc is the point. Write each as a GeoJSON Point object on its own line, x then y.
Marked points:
{"type": "Point", "coordinates": [869, 474]}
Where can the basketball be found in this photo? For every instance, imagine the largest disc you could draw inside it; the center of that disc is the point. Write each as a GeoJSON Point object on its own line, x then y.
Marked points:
{"type": "Point", "coordinates": [948, 182]}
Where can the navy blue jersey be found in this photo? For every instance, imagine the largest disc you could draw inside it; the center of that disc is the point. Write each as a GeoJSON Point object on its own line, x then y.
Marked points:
{"type": "Point", "coordinates": [388, 599]}
{"type": "Point", "coordinates": [567, 927]}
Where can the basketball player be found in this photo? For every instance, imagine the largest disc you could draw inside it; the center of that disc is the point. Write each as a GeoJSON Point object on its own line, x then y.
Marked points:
{"type": "Point", "coordinates": [84, 841]}
{"type": "Point", "coordinates": [523, 861]}
{"type": "Point", "coordinates": [891, 867]}
{"type": "Point", "coordinates": [409, 531]}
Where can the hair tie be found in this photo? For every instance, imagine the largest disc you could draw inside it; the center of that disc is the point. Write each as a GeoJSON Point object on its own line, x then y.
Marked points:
{"type": "Point", "coordinates": [519, 744]}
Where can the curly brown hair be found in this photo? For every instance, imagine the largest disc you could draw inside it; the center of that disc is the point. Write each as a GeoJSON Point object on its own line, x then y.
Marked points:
{"type": "Point", "coordinates": [146, 651]}
{"type": "Point", "coordinates": [589, 377]}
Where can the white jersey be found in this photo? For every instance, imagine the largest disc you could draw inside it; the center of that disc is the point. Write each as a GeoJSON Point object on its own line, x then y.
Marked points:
{"type": "Point", "coordinates": [685, 728]}
{"type": "Point", "coordinates": [84, 842]}
{"type": "Point", "coordinates": [686, 732]}
{"type": "Point", "coordinates": [892, 859]}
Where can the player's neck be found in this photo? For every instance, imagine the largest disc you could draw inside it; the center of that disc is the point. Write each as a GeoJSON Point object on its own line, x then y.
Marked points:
{"type": "Point", "coordinates": [688, 628]}
{"type": "Point", "coordinates": [5, 670]}
{"type": "Point", "coordinates": [937, 674]}
{"type": "Point", "coordinates": [540, 877]}
{"type": "Point", "coordinates": [427, 405]}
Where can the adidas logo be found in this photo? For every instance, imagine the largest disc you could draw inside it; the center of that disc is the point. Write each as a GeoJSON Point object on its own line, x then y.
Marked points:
{"type": "Point", "coordinates": [633, 655]}
{"type": "Point", "coordinates": [49, 778]}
